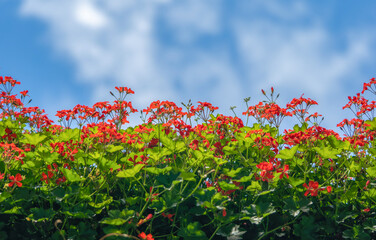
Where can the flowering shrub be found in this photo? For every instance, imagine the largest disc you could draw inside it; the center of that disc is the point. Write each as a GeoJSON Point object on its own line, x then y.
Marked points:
{"type": "Point", "coordinates": [170, 179]}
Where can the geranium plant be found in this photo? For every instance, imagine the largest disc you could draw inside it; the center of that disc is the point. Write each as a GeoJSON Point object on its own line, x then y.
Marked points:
{"type": "Point", "coordinates": [90, 177]}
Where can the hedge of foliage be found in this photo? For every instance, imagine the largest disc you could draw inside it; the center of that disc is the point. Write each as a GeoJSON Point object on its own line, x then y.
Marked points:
{"type": "Point", "coordinates": [186, 172]}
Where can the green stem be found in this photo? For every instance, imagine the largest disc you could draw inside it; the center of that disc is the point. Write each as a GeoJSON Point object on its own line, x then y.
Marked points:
{"type": "Point", "coordinates": [277, 228]}
{"type": "Point", "coordinates": [216, 230]}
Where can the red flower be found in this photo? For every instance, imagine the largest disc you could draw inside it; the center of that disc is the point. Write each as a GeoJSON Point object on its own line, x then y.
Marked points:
{"type": "Point", "coordinates": [148, 217]}
{"type": "Point", "coordinates": [152, 196]}
{"type": "Point", "coordinates": [367, 210]}
{"type": "Point", "coordinates": [1, 176]}
{"type": "Point", "coordinates": [266, 171]}
{"type": "Point", "coordinates": [284, 171]}
{"type": "Point", "coordinates": [169, 216]}
{"type": "Point", "coordinates": [60, 180]}
{"type": "Point", "coordinates": [267, 166]}
{"type": "Point", "coordinates": [144, 236]}
{"type": "Point", "coordinates": [208, 184]}
{"type": "Point", "coordinates": [46, 177]}
{"type": "Point", "coordinates": [124, 89]}
{"type": "Point", "coordinates": [15, 180]}
{"type": "Point", "coordinates": [24, 93]}
{"type": "Point", "coordinates": [194, 144]}
{"type": "Point", "coordinates": [329, 189]}
{"type": "Point", "coordinates": [311, 188]}
{"type": "Point", "coordinates": [224, 213]}
{"type": "Point", "coordinates": [367, 183]}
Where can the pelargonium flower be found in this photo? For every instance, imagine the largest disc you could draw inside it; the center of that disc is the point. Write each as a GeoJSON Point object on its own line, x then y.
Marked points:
{"type": "Point", "coordinates": [144, 236]}
{"type": "Point", "coordinates": [15, 180]}
{"type": "Point", "coordinates": [312, 188]}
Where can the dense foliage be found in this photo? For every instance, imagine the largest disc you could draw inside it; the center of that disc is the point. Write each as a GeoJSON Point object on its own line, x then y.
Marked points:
{"type": "Point", "coordinates": [185, 174]}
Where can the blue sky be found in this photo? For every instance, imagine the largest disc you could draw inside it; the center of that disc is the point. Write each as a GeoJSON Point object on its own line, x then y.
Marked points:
{"type": "Point", "coordinates": [75, 52]}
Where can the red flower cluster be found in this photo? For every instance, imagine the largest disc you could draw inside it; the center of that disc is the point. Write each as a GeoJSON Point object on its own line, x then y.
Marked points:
{"type": "Point", "coordinates": [300, 107]}
{"type": "Point", "coordinates": [370, 86]}
{"type": "Point", "coordinates": [272, 112]}
{"type": "Point", "coordinates": [269, 168]}
{"type": "Point", "coordinates": [313, 188]}
{"type": "Point", "coordinates": [144, 236]}
{"type": "Point", "coordinates": [308, 136]}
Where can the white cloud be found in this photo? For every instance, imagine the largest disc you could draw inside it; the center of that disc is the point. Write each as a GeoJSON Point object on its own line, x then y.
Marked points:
{"type": "Point", "coordinates": [89, 15]}
{"type": "Point", "coordinates": [303, 59]}
{"type": "Point", "coordinates": [189, 19]}
{"type": "Point", "coordinates": [178, 50]}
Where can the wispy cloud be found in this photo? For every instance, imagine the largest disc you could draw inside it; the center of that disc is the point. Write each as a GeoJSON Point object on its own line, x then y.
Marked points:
{"type": "Point", "coordinates": [303, 58]}
{"type": "Point", "coordinates": [200, 50]}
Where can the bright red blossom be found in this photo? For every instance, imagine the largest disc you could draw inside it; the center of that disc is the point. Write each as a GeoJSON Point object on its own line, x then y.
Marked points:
{"type": "Point", "coordinates": [15, 180]}
{"type": "Point", "coordinates": [144, 236]}
{"type": "Point", "coordinates": [124, 89]}
{"type": "Point", "coordinates": [266, 173]}
{"type": "Point", "coordinates": [284, 171]}
{"type": "Point", "coordinates": [169, 216]}
{"type": "Point", "coordinates": [312, 188]}
{"type": "Point", "coordinates": [367, 210]}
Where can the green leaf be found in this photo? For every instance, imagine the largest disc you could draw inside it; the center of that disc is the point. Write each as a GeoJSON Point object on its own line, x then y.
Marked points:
{"type": "Point", "coordinates": [306, 229]}
{"type": "Point", "coordinates": [166, 141]}
{"type": "Point", "coordinates": [41, 214]}
{"type": "Point", "coordinates": [232, 173]}
{"type": "Point", "coordinates": [372, 124]}
{"type": "Point", "coordinates": [157, 171]}
{"type": "Point", "coordinates": [287, 153]}
{"type": "Point", "coordinates": [102, 200]}
{"type": "Point", "coordinates": [125, 214]}
{"type": "Point", "coordinates": [132, 200]}
{"type": "Point", "coordinates": [371, 171]}
{"type": "Point", "coordinates": [79, 211]}
{"type": "Point", "coordinates": [228, 150]}
{"type": "Point", "coordinates": [14, 210]}
{"type": "Point", "coordinates": [114, 221]}
{"type": "Point", "coordinates": [112, 148]}
{"type": "Point", "coordinates": [257, 212]}
{"type": "Point", "coordinates": [371, 193]}
{"type": "Point", "coordinates": [197, 155]}
{"type": "Point", "coordinates": [328, 152]}
{"type": "Point", "coordinates": [59, 193]}
{"type": "Point", "coordinates": [356, 233]}
{"type": "Point", "coordinates": [227, 186]}
{"type": "Point", "coordinates": [180, 146]}
{"type": "Point", "coordinates": [129, 173]}
{"type": "Point", "coordinates": [31, 164]}
{"type": "Point", "coordinates": [105, 164]}
{"type": "Point", "coordinates": [4, 196]}
{"type": "Point", "coordinates": [46, 156]}
{"type": "Point", "coordinates": [295, 181]}
{"type": "Point", "coordinates": [68, 135]}
{"type": "Point", "coordinates": [231, 232]}
{"type": "Point", "coordinates": [336, 143]}
{"type": "Point", "coordinates": [355, 167]}
{"type": "Point", "coordinates": [192, 231]}
{"type": "Point", "coordinates": [255, 186]}
{"type": "Point", "coordinates": [71, 175]}
{"type": "Point", "coordinates": [33, 139]}
{"type": "Point", "coordinates": [171, 198]}
{"type": "Point", "coordinates": [188, 176]}
{"type": "Point", "coordinates": [291, 207]}
{"type": "Point", "coordinates": [245, 179]}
